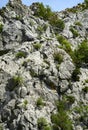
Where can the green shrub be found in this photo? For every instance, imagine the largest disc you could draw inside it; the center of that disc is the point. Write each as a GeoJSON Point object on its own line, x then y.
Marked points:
{"type": "Point", "coordinates": [47, 62]}
{"type": "Point", "coordinates": [81, 54]}
{"type": "Point", "coordinates": [82, 110]}
{"type": "Point", "coordinates": [40, 102]}
{"type": "Point", "coordinates": [86, 2]}
{"type": "Point", "coordinates": [33, 73]}
{"type": "Point", "coordinates": [2, 11]}
{"type": "Point", "coordinates": [25, 102]}
{"type": "Point", "coordinates": [66, 45]}
{"type": "Point", "coordinates": [37, 46]}
{"type": "Point", "coordinates": [46, 13]}
{"type": "Point", "coordinates": [3, 52]}
{"type": "Point", "coordinates": [75, 74]}
{"type": "Point", "coordinates": [85, 89]}
{"type": "Point", "coordinates": [74, 32]}
{"type": "Point", "coordinates": [1, 28]}
{"type": "Point", "coordinates": [61, 119]}
{"type": "Point", "coordinates": [58, 24]}
{"type": "Point", "coordinates": [18, 17]}
{"type": "Point", "coordinates": [61, 105]}
{"type": "Point", "coordinates": [47, 128]}
{"type": "Point", "coordinates": [78, 23]}
{"type": "Point", "coordinates": [86, 80]}
{"type": "Point", "coordinates": [40, 29]}
{"type": "Point", "coordinates": [70, 99]}
{"type": "Point", "coordinates": [21, 54]}
{"type": "Point", "coordinates": [42, 123]}
{"type": "Point", "coordinates": [55, 127]}
{"type": "Point", "coordinates": [17, 80]}
{"type": "Point", "coordinates": [1, 127]}
{"type": "Point", "coordinates": [58, 58]}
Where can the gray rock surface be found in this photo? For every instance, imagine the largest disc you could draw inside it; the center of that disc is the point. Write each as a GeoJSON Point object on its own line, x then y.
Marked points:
{"type": "Point", "coordinates": [29, 70]}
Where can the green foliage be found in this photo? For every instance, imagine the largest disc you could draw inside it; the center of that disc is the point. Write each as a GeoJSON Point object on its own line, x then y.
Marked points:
{"type": "Point", "coordinates": [62, 120]}
{"type": "Point", "coordinates": [2, 11]}
{"type": "Point", "coordinates": [85, 89]}
{"type": "Point", "coordinates": [47, 128]}
{"type": "Point", "coordinates": [61, 105]}
{"type": "Point", "coordinates": [41, 28]}
{"type": "Point", "coordinates": [75, 74]}
{"type": "Point", "coordinates": [1, 28]}
{"type": "Point", "coordinates": [17, 80]}
{"type": "Point", "coordinates": [86, 2]}
{"type": "Point", "coordinates": [74, 32]}
{"type": "Point", "coordinates": [70, 99]}
{"type": "Point", "coordinates": [46, 14]}
{"type": "Point", "coordinates": [66, 45]}
{"type": "Point", "coordinates": [18, 17]}
{"type": "Point", "coordinates": [58, 58]}
{"type": "Point", "coordinates": [42, 123]}
{"type": "Point", "coordinates": [40, 102]}
{"type": "Point", "coordinates": [57, 23]}
{"type": "Point", "coordinates": [55, 127]}
{"type": "Point", "coordinates": [33, 73]}
{"type": "Point", "coordinates": [21, 54]}
{"type": "Point", "coordinates": [25, 102]}
{"type": "Point", "coordinates": [78, 23]}
{"type": "Point", "coordinates": [82, 110]}
{"type": "Point", "coordinates": [81, 54]}
{"type": "Point", "coordinates": [1, 127]}
{"type": "Point", "coordinates": [3, 52]}
{"type": "Point", "coordinates": [37, 46]}
{"type": "Point", "coordinates": [86, 80]}
{"type": "Point", "coordinates": [47, 62]}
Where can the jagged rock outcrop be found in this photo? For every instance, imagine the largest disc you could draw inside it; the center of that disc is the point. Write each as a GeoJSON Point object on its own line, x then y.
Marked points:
{"type": "Point", "coordinates": [36, 71]}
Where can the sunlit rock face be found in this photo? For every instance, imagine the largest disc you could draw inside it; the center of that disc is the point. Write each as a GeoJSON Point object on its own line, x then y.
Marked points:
{"type": "Point", "coordinates": [37, 69]}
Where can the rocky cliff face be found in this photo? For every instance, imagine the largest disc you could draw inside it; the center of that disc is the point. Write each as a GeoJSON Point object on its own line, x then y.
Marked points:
{"type": "Point", "coordinates": [37, 71]}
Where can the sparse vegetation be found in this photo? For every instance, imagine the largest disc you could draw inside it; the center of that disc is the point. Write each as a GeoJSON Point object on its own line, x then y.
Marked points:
{"type": "Point", "coordinates": [58, 58]}
{"type": "Point", "coordinates": [18, 17]}
{"type": "Point", "coordinates": [2, 11]}
{"type": "Point", "coordinates": [33, 73]}
{"type": "Point", "coordinates": [47, 14]}
{"type": "Point", "coordinates": [3, 52]}
{"type": "Point", "coordinates": [78, 23]}
{"type": "Point", "coordinates": [70, 99]}
{"type": "Point", "coordinates": [1, 28]}
{"type": "Point", "coordinates": [86, 2]}
{"type": "Point", "coordinates": [86, 81]}
{"type": "Point", "coordinates": [15, 82]}
{"type": "Point", "coordinates": [25, 102]}
{"type": "Point", "coordinates": [42, 123]}
{"type": "Point", "coordinates": [82, 110]}
{"type": "Point", "coordinates": [62, 120]}
{"type": "Point", "coordinates": [85, 89]}
{"type": "Point", "coordinates": [21, 54]}
{"type": "Point", "coordinates": [75, 74]}
{"type": "Point", "coordinates": [1, 127]}
{"type": "Point", "coordinates": [37, 46]}
{"type": "Point", "coordinates": [80, 55]}
{"type": "Point", "coordinates": [40, 102]}
{"type": "Point", "coordinates": [65, 44]}
{"type": "Point", "coordinates": [74, 32]}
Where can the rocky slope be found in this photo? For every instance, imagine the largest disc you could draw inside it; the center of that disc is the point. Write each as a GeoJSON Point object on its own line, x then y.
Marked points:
{"type": "Point", "coordinates": [36, 71]}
